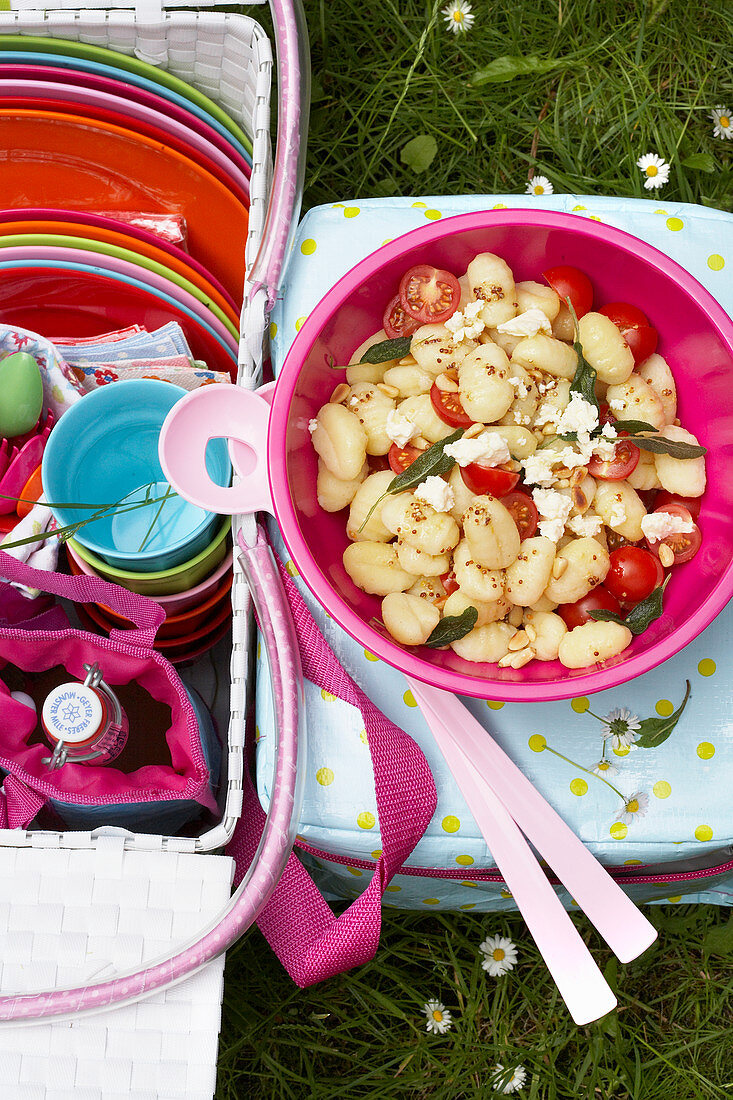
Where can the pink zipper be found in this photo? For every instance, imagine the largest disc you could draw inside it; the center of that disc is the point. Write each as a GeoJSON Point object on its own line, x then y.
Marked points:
{"type": "Point", "coordinates": [620, 874]}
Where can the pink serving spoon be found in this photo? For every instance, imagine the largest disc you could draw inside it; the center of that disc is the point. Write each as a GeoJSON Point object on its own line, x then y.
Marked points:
{"type": "Point", "coordinates": [504, 806]}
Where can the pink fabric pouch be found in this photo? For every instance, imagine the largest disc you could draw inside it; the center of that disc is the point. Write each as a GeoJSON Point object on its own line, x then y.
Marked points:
{"type": "Point", "coordinates": [161, 795]}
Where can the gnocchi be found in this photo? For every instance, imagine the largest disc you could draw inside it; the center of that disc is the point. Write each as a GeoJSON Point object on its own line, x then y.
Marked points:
{"type": "Point", "coordinates": [523, 522]}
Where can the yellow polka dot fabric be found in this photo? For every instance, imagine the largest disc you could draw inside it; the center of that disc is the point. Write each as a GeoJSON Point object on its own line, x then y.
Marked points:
{"type": "Point", "coordinates": [678, 788]}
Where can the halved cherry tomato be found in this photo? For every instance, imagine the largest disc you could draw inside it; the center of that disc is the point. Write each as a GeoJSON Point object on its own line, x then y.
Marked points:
{"type": "Point", "coordinates": [450, 584]}
{"type": "Point", "coordinates": [396, 322]}
{"type": "Point", "coordinates": [683, 545]}
{"type": "Point", "coordinates": [523, 511]}
{"type": "Point", "coordinates": [625, 458]}
{"type": "Point", "coordinates": [572, 283]}
{"type": "Point", "coordinates": [377, 463]}
{"type": "Point", "coordinates": [634, 574]}
{"type": "Point", "coordinates": [635, 328]}
{"type": "Point", "coordinates": [494, 480]}
{"type": "Point", "coordinates": [449, 408]}
{"type": "Point", "coordinates": [692, 504]}
{"type": "Point", "coordinates": [578, 613]}
{"type": "Point", "coordinates": [616, 541]}
{"type": "Point", "coordinates": [401, 457]}
{"type": "Point", "coordinates": [429, 294]}
{"type": "Point", "coordinates": [605, 416]}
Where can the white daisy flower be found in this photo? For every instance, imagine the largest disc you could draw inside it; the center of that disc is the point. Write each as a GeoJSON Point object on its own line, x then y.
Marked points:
{"type": "Point", "coordinates": [539, 185]}
{"type": "Point", "coordinates": [508, 1080]}
{"type": "Point", "coordinates": [723, 122]}
{"type": "Point", "coordinates": [459, 16]}
{"type": "Point", "coordinates": [621, 727]}
{"type": "Point", "coordinates": [439, 1019]}
{"type": "Point", "coordinates": [656, 170]}
{"type": "Point", "coordinates": [636, 805]}
{"type": "Point", "coordinates": [500, 955]}
{"type": "Point", "coordinates": [605, 768]}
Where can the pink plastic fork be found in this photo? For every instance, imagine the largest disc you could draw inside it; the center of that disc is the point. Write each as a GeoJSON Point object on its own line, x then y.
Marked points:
{"type": "Point", "coordinates": [624, 928]}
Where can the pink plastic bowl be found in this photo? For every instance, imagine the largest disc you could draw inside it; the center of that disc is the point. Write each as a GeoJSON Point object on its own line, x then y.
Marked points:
{"type": "Point", "coordinates": [696, 336]}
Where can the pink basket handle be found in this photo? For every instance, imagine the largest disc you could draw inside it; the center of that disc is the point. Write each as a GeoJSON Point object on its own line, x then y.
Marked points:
{"type": "Point", "coordinates": [291, 37]}
{"type": "Point", "coordinates": [146, 614]}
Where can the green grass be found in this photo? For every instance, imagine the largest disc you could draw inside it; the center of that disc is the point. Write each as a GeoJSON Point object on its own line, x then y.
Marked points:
{"type": "Point", "coordinates": [625, 78]}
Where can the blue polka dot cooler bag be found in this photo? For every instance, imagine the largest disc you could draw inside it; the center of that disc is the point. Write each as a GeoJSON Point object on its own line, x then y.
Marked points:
{"type": "Point", "coordinates": [659, 817]}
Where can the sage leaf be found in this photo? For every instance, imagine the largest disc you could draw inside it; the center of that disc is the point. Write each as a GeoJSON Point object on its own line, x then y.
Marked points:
{"type": "Point", "coordinates": [655, 731]}
{"type": "Point", "coordinates": [640, 617]}
{"type": "Point", "coordinates": [386, 350]}
{"type": "Point", "coordinates": [659, 445]}
{"type": "Point", "coordinates": [419, 152]}
{"type": "Point", "coordinates": [584, 379]}
{"type": "Point", "coordinates": [505, 68]}
{"type": "Point", "coordinates": [632, 426]}
{"type": "Point", "coordinates": [431, 463]}
{"type": "Point", "coordinates": [453, 627]}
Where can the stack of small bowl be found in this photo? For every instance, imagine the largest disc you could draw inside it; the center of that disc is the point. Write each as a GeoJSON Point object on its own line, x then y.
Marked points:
{"type": "Point", "coordinates": [104, 451]}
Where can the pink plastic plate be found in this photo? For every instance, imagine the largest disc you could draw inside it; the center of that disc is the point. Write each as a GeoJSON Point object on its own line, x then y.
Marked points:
{"type": "Point", "coordinates": [56, 254]}
{"type": "Point", "coordinates": [127, 94]}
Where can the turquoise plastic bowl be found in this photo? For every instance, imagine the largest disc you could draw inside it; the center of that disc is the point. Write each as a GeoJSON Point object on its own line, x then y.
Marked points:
{"type": "Point", "coordinates": [104, 451]}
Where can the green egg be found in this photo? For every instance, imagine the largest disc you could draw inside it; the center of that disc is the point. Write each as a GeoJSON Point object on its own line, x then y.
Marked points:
{"type": "Point", "coordinates": [21, 394]}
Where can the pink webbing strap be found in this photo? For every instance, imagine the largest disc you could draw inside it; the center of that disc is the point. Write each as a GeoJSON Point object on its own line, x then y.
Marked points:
{"type": "Point", "coordinates": [310, 942]}
{"type": "Point", "coordinates": [143, 612]}
{"type": "Point", "coordinates": [18, 804]}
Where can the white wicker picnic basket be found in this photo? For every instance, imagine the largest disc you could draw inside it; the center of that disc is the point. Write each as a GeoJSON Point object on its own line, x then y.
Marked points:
{"type": "Point", "coordinates": [77, 907]}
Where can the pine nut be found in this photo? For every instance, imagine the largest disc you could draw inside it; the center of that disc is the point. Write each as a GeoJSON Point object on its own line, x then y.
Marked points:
{"type": "Point", "coordinates": [514, 618]}
{"type": "Point", "coordinates": [666, 555]}
{"type": "Point", "coordinates": [446, 384]}
{"type": "Point", "coordinates": [523, 658]}
{"type": "Point", "coordinates": [390, 391]}
{"type": "Point", "coordinates": [473, 430]}
{"type": "Point", "coordinates": [519, 641]}
{"type": "Point", "coordinates": [559, 567]}
{"type": "Point", "coordinates": [531, 632]}
{"type": "Point", "coordinates": [420, 442]}
{"type": "Point", "coordinates": [339, 394]}
{"type": "Point", "coordinates": [505, 662]}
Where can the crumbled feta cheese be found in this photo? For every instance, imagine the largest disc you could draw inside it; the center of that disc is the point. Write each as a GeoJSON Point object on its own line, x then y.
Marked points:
{"type": "Point", "coordinates": [519, 386]}
{"type": "Point", "coordinates": [312, 425]}
{"type": "Point", "coordinates": [554, 509]}
{"type": "Point", "coordinates": [400, 428]}
{"type": "Point", "coordinates": [585, 526]}
{"type": "Point", "coordinates": [609, 431]}
{"type": "Point", "coordinates": [437, 493]}
{"type": "Point", "coordinates": [521, 418]}
{"type": "Point", "coordinates": [617, 515]}
{"type": "Point", "coordinates": [528, 323]}
{"type": "Point", "coordinates": [466, 324]}
{"type": "Point", "coordinates": [538, 468]}
{"type": "Point", "coordinates": [489, 448]}
{"type": "Point", "coordinates": [616, 406]}
{"type": "Point", "coordinates": [547, 416]}
{"type": "Point", "coordinates": [658, 525]}
{"type": "Point", "coordinates": [605, 449]}
{"type": "Point", "coordinates": [579, 416]}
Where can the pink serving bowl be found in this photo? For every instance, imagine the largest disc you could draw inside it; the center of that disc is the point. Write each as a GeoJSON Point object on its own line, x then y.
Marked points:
{"type": "Point", "coordinates": [696, 337]}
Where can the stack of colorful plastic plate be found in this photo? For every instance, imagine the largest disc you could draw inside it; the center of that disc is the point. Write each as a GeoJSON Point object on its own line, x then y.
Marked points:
{"type": "Point", "coordinates": [92, 137]}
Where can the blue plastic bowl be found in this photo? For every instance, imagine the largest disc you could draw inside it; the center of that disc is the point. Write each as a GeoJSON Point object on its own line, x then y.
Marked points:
{"type": "Point", "coordinates": [104, 451]}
